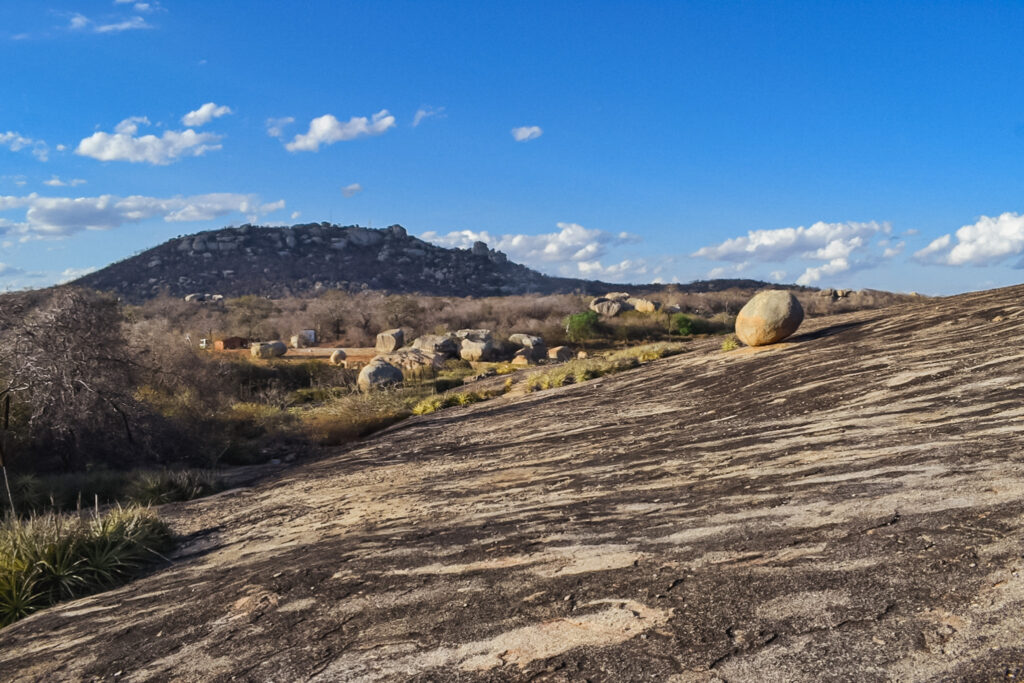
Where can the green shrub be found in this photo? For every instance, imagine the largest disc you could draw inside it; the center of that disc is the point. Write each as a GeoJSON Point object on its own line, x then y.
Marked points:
{"type": "Point", "coordinates": [685, 325]}
{"type": "Point", "coordinates": [731, 343]}
{"type": "Point", "coordinates": [582, 326]}
{"type": "Point", "coordinates": [48, 558]}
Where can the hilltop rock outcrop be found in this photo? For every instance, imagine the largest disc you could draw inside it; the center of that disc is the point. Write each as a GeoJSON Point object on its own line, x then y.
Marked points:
{"type": "Point", "coordinates": [390, 340]}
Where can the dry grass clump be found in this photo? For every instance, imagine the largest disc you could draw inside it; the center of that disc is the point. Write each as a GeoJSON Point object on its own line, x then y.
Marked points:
{"type": "Point", "coordinates": [357, 414]}
{"type": "Point", "coordinates": [432, 404]}
{"type": "Point", "coordinates": [580, 370]}
{"type": "Point", "coordinates": [48, 558]}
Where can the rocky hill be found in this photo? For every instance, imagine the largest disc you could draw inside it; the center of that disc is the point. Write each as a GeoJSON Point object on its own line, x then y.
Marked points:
{"type": "Point", "coordinates": [305, 259]}
{"type": "Point", "coordinates": [843, 506]}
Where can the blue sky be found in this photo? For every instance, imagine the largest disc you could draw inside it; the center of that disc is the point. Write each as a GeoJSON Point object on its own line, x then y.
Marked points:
{"type": "Point", "coordinates": [833, 144]}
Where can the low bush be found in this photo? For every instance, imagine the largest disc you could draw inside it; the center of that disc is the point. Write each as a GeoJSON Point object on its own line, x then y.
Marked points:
{"type": "Point", "coordinates": [48, 558]}
{"type": "Point", "coordinates": [74, 490]}
{"type": "Point", "coordinates": [580, 327]}
{"type": "Point", "coordinates": [357, 414]}
{"type": "Point", "coordinates": [730, 343]}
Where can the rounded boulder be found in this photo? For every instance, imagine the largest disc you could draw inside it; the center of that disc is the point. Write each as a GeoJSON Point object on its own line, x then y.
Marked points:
{"type": "Point", "coordinates": [378, 374]}
{"type": "Point", "coordinates": [769, 317]}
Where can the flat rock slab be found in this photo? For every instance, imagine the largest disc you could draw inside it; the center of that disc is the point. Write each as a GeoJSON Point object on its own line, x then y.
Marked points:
{"type": "Point", "coordinates": [847, 507]}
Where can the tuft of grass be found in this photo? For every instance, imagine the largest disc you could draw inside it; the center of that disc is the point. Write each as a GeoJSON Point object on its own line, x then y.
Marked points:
{"type": "Point", "coordinates": [581, 370]}
{"type": "Point", "coordinates": [358, 414]}
{"type": "Point", "coordinates": [432, 404]}
{"type": "Point", "coordinates": [170, 486]}
{"type": "Point", "coordinates": [730, 343]}
{"type": "Point", "coordinates": [47, 558]}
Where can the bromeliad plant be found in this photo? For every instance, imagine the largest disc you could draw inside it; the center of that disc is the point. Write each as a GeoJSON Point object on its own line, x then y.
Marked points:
{"type": "Point", "coordinates": [48, 558]}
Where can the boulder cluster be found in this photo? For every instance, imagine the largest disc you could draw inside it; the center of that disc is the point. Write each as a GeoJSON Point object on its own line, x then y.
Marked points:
{"type": "Point", "coordinates": [429, 352]}
{"type": "Point", "coordinates": [613, 303]}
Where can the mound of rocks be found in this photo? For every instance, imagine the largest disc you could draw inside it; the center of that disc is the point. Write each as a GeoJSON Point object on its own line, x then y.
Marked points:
{"type": "Point", "coordinates": [769, 317]}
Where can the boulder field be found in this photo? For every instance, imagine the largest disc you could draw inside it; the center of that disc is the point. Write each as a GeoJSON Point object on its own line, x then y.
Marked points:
{"type": "Point", "coordinates": [845, 505]}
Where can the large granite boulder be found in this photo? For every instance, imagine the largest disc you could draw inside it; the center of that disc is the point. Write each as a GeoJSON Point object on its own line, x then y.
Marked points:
{"type": "Point", "coordinates": [769, 317]}
{"type": "Point", "coordinates": [473, 350]}
{"type": "Point", "coordinates": [527, 341]}
{"type": "Point", "coordinates": [412, 359]}
{"type": "Point", "coordinates": [378, 374]}
{"type": "Point", "coordinates": [268, 349]}
{"type": "Point", "coordinates": [606, 307]}
{"type": "Point", "coordinates": [445, 344]}
{"type": "Point", "coordinates": [390, 340]}
{"type": "Point", "coordinates": [476, 335]}
{"type": "Point", "coordinates": [524, 356]}
{"type": "Point", "coordinates": [642, 305]}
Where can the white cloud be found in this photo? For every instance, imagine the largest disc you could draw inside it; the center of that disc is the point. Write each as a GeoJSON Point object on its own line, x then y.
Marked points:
{"type": "Point", "coordinates": [80, 22]}
{"type": "Point", "coordinates": [8, 270]}
{"type": "Point", "coordinates": [985, 242]}
{"type": "Point", "coordinates": [57, 217]}
{"type": "Point", "coordinates": [573, 243]}
{"type": "Point", "coordinates": [426, 113]}
{"type": "Point", "coordinates": [525, 133]}
{"type": "Point", "coordinates": [326, 130]}
{"type": "Point", "coordinates": [122, 145]}
{"type": "Point", "coordinates": [627, 270]}
{"type": "Point", "coordinates": [296, 214]}
{"type": "Point", "coordinates": [206, 113]}
{"type": "Point", "coordinates": [55, 181]}
{"type": "Point", "coordinates": [778, 275]}
{"type": "Point", "coordinates": [69, 274]}
{"type": "Point", "coordinates": [275, 127]}
{"type": "Point", "coordinates": [351, 190]}
{"type": "Point", "coordinates": [17, 142]}
{"type": "Point", "coordinates": [836, 244]}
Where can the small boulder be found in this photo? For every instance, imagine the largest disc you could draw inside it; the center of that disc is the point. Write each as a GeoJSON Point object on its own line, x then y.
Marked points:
{"type": "Point", "coordinates": [445, 344]}
{"type": "Point", "coordinates": [338, 357]}
{"type": "Point", "coordinates": [378, 374]}
{"type": "Point", "coordinates": [617, 296]}
{"type": "Point", "coordinates": [390, 340]}
{"type": "Point", "coordinates": [606, 307]}
{"type": "Point", "coordinates": [268, 349]}
{"type": "Point", "coordinates": [523, 357]}
{"type": "Point", "coordinates": [473, 350]}
{"type": "Point", "coordinates": [560, 353]}
{"type": "Point", "coordinates": [582, 355]}
{"type": "Point", "coordinates": [769, 317]}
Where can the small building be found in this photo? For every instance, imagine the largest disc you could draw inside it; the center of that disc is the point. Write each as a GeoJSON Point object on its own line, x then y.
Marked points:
{"type": "Point", "coordinates": [303, 339]}
{"type": "Point", "coordinates": [229, 343]}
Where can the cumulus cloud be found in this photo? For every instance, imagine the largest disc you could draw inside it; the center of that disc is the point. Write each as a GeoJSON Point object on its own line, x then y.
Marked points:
{"type": "Point", "coordinates": [69, 274]}
{"type": "Point", "coordinates": [426, 113]}
{"type": "Point", "coordinates": [351, 190]}
{"type": "Point", "coordinates": [124, 145]}
{"type": "Point", "coordinates": [572, 243]}
{"type": "Point", "coordinates": [206, 113]}
{"type": "Point", "coordinates": [840, 246]}
{"type": "Point", "coordinates": [7, 270]}
{"type": "Point", "coordinates": [55, 181]}
{"type": "Point", "coordinates": [80, 22]}
{"type": "Point", "coordinates": [526, 133]}
{"type": "Point", "coordinates": [326, 130]}
{"type": "Point", "coordinates": [56, 217]}
{"type": "Point", "coordinates": [627, 270]}
{"type": "Point", "coordinates": [988, 241]}
{"type": "Point", "coordinates": [275, 127]}
{"type": "Point", "coordinates": [17, 142]}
